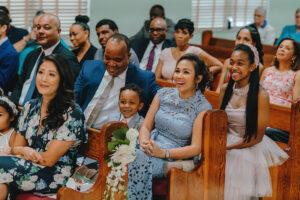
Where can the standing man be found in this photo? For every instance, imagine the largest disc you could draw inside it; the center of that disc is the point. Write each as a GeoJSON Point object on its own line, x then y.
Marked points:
{"type": "Point", "coordinates": [9, 59]}
{"type": "Point", "coordinates": [48, 35]}
{"type": "Point", "coordinates": [266, 31]}
{"type": "Point", "coordinates": [106, 28]}
{"type": "Point", "coordinates": [148, 50]}
{"type": "Point", "coordinates": [98, 85]}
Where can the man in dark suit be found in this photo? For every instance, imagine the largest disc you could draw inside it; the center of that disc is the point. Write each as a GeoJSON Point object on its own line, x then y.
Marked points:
{"type": "Point", "coordinates": [97, 87]}
{"type": "Point", "coordinates": [9, 58]}
{"type": "Point", "coordinates": [148, 50]}
{"type": "Point", "coordinates": [48, 35]}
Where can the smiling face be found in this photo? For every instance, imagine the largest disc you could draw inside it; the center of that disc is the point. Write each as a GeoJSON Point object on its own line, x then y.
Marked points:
{"type": "Point", "coordinates": [78, 36]}
{"type": "Point", "coordinates": [47, 79]}
{"type": "Point", "coordinates": [48, 31]}
{"type": "Point", "coordinates": [184, 78]}
{"type": "Point", "coordinates": [103, 33]}
{"type": "Point", "coordinates": [240, 67]}
{"type": "Point", "coordinates": [182, 37]}
{"type": "Point", "coordinates": [129, 103]}
{"type": "Point", "coordinates": [116, 57]}
{"type": "Point", "coordinates": [244, 37]}
{"type": "Point", "coordinates": [285, 51]}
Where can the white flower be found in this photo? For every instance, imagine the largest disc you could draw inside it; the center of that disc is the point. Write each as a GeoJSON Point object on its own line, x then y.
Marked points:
{"type": "Point", "coordinates": [53, 185]}
{"type": "Point", "coordinates": [6, 178]}
{"type": "Point", "coordinates": [66, 171]}
{"type": "Point", "coordinates": [59, 178]}
{"type": "Point", "coordinates": [123, 155]}
{"type": "Point", "coordinates": [132, 135]}
{"type": "Point", "coordinates": [27, 185]}
{"type": "Point", "coordinates": [33, 178]}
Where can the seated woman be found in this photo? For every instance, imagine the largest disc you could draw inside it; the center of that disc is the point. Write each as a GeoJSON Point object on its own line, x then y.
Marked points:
{"type": "Point", "coordinates": [177, 114]}
{"type": "Point", "coordinates": [291, 31]}
{"type": "Point", "coordinates": [167, 61]}
{"type": "Point", "coordinates": [49, 132]}
{"type": "Point", "coordinates": [246, 35]}
{"type": "Point", "coordinates": [282, 81]}
{"type": "Point", "coordinates": [249, 153]}
{"type": "Point", "coordinates": [79, 36]}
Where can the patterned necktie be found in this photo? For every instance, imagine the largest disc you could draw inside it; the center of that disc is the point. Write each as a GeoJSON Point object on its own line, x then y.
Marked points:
{"type": "Point", "coordinates": [32, 84]}
{"type": "Point", "coordinates": [151, 59]}
{"type": "Point", "coordinates": [95, 112]}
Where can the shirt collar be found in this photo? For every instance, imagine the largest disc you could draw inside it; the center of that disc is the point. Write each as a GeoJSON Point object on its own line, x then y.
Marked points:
{"type": "Point", "coordinates": [3, 40]}
{"type": "Point", "coordinates": [50, 50]}
{"type": "Point", "coordinates": [157, 45]}
{"type": "Point", "coordinates": [264, 25]}
{"type": "Point", "coordinates": [129, 118]}
{"type": "Point", "coordinates": [121, 76]}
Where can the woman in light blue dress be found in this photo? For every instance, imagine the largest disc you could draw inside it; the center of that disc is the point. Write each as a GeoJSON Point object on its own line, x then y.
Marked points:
{"type": "Point", "coordinates": [177, 114]}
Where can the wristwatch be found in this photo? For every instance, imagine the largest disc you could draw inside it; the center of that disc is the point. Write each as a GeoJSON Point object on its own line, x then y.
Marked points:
{"type": "Point", "coordinates": [167, 153]}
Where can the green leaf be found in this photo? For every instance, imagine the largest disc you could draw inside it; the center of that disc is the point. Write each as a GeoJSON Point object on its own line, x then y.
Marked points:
{"type": "Point", "coordinates": [116, 164]}
{"type": "Point", "coordinates": [119, 135]}
{"type": "Point", "coordinates": [112, 146]}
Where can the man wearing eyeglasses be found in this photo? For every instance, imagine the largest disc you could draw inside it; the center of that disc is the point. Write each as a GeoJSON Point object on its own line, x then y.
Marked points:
{"type": "Point", "coordinates": [148, 50]}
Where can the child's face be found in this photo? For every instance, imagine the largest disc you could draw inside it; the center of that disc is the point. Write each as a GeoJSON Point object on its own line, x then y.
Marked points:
{"type": "Point", "coordinates": [129, 103]}
{"type": "Point", "coordinates": [5, 119]}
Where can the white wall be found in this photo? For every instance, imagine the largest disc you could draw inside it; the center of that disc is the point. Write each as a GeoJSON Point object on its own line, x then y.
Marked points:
{"type": "Point", "coordinates": [130, 15]}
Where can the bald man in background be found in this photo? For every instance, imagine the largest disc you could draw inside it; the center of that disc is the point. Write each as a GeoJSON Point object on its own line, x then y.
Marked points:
{"type": "Point", "coordinates": [48, 35]}
{"type": "Point", "coordinates": [148, 50]}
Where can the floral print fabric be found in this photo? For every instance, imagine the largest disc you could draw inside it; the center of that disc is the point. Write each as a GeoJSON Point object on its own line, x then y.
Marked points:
{"type": "Point", "coordinates": [280, 85]}
{"type": "Point", "coordinates": [26, 176]}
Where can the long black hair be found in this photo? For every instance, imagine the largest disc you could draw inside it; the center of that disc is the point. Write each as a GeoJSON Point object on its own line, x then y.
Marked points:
{"type": "Point", "coordinates": [256, 39]}
{"type": "Point", "coordinates": [200, 69]}
{"type": "Point", "coordinates": [252, 98]}
{"type": "Point", "coordinates": [64, 98]}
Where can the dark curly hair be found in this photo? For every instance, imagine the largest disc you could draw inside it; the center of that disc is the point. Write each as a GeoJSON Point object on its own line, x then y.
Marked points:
{"type": "Point", "coordinates": [252, 98]}
{"type": "Point", "coordinates": [135, 88]}
{"type": "Point", "coordinates": [185, 23]}
{"type": "Point", "coordinates": [64, 98]}
{"type": "Point", "coordinates": [200, 69]}
{"type": "Point", "coordinates": [296, 65]}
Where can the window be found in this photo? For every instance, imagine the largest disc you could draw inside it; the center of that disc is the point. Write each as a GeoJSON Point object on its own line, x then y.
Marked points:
{"type": "Point", "coordinates": [217, 13]}
{"type": "Point", "coordinates": [22, 11]}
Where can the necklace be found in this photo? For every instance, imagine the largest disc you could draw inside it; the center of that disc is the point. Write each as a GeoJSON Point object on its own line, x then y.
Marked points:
{"type": "Point", "coordinates": [241, 91]}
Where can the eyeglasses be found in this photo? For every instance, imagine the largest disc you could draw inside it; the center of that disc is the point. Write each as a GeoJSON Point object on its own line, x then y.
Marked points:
{"type": "Point", "coordinates": [156, 29]}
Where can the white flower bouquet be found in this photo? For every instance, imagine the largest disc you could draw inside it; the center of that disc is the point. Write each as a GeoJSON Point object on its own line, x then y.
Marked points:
{"type": "Point", "coordinates": [122, 149]}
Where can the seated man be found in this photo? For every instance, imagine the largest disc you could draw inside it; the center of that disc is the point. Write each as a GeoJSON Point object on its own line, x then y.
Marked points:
{"type": "Point", "coordinates": [155, 11]}
{"type": "Point", "coordinates": [148, 50]}
{"type": "Point", "coordinates": [266, 31]}
{"type": "Point", "coordinates": [106, 28]}
{"type": "Point", "coordinates": [48, 35]}
{"type": "Point", "coordinates": [9, 60]}
{"type": "Point", "coordinates": [97, 87]}
{"type": "Point", "coordinates": [14, 34]}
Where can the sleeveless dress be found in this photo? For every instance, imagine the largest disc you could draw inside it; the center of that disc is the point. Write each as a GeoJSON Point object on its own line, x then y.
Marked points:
{"type": "Point", "coordinates": [280, 86]}
{"type": "Point", "coordinates": [4, 139]}
{"type": "Point", "coordinates": [247, 170]}
{"type": "Point", "coordinates": [173, 129]}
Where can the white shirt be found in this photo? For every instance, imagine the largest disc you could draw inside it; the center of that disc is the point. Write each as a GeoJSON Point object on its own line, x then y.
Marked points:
{"type": "Point", "coordinates": [146, 55]}
{"type": "Point", "coordinates": [27, 83]}
{"type": "Point", "coordinates": [111, 103]}
{"type": "Point", "coordinates": [267, 34]}
{"type": "Point", "coordinates": [3, 40]}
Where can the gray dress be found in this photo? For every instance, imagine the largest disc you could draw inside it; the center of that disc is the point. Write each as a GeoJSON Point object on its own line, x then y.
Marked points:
{"type": "Point", "coordinates": [173, 129]}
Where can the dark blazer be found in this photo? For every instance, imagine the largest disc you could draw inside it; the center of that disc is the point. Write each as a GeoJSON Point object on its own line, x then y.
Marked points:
{"type": "Point", "coordinates": [9, 63]}
{"type": "Point", "coordinates": [140, 45]}
{"type": "Point", "coordinates": [30, 62]}
{"type": "Point", "coordinates": [92, 73]}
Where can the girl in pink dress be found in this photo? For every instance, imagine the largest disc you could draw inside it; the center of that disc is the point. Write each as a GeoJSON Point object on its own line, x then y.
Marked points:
{"type": "Point", "coordinates": [249, 153]}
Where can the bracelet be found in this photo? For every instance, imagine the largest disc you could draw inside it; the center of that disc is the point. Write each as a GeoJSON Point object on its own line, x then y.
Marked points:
{"type": "Point", "coordinates": [167, 154]}
{"type": "Point", "coordinates": [25, 39]}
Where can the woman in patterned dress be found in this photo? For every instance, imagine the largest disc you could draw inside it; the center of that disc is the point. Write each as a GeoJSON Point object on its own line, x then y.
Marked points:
{"type": "Point", "coordinates": [282, 81]}
{"type": "Point", "coordinates": [49, 131]}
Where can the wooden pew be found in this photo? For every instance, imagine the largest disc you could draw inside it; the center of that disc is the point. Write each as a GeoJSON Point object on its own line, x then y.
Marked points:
{"type": "Point", "coordinates": [285, 178]}
{"type": "Point", "coordinates": [219, 44]}
{"type": "Point", "coordinates": [96, 148]}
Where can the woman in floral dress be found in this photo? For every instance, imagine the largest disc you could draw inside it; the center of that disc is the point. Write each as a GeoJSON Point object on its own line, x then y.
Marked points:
{"type": "Point", "coordinates": [49, 131]}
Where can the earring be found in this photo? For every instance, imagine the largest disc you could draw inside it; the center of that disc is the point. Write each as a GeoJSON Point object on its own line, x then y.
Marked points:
{"type": "Point", "coordinates": [292, 63]}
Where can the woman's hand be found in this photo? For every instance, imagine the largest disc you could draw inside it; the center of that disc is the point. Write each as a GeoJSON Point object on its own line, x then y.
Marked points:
{"type": "Point", "coordinates": [32, 155]}
{"type": "Point", "coordinates": [156, 150]}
